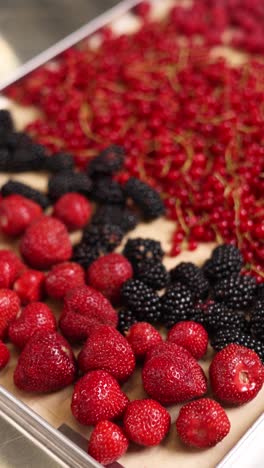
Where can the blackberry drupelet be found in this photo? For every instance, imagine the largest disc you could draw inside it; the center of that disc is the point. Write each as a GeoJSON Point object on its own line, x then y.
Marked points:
{"type": "Point", "coordinates": [153, 273]}
{"type": "Point", "coordinates": [142, 300]}
{"type": "Point", "coordinates": [176, 304]}
{"type": "Point", "coordinates": [226, 337]}
{"type": "Point", "coordinates": [139, 250]}
{"type": "Point", "coordinates": [238, 292]}
{"type": "Point", "coordinates": [105, 237]}
{"type": "Point", "coordinates": [145, 197]}
{"type": "Point", "coordinates": [59, 162]}
{"type": "Point", "coordinates": [106, 190]}
{"type": "Point", "coordinates": [199, 316]}
{"type": "Point", "coordinates": [116, 214]}
{"type": "Point", "coordinates": [226, 260]}
{"type": "Point", "coordinates": [126, 319]}
{"type": "Point", "coordinates": [109, 161]}
{"type": "Point", "coordinates": [6, 121]}
{"type": "Point", "coordinates": [85, 254]}
{"type": "Point", "coordinates": [13, 186]}
{"type": "Point", "coordinates": [191, 276]}
{"type": "Point", "coordinates": [257, 320]}
{"type": "Point", "coordinates": [68, 181]}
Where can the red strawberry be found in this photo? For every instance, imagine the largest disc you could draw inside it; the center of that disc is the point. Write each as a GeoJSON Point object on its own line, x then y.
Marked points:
{"type": "Point", "coordinates": [4, 355]}
{"type": "Point", "coordinates": [64, 277]}
{"type": "Point", "coordinates": [168, 349]}
{"type": "Point", "coordinates": [97, 396]}
{"type": "Point", "coordinates": [84, 307]}
{"type": "Point", "coordinates": [74, 210]}
{"type": "Point", "coordinates": [10, 267]}
{"type": "Point", "coordinates": [108, 273]}
{"type": "Point", "coordinates": [17, 213]}
{"type": "Point", "coordinates": [9, 308]}
{"type": "Point", "coordinates": [191, 336]}
{"type": "Point", "coordinates": [30, 286]}
{"type": "Point", "coordinates": [35, 316]}
{"type": "Point", "coordinates": [107, 442]}
{"type": "Point", "coordinates": [46, 242]}
{"type": "Point", "coordinates": [202, 423]}
{"type": "Point", "coordinates": [146, 422]}
{"type": "Point", "coordinates": [236, 374]}
{"type": "Point", "coordinates": [108, 350]}
{"type": "Point", "coordinates": [46, 363]}
{"type": "Point", "coordinates": [142, 337]}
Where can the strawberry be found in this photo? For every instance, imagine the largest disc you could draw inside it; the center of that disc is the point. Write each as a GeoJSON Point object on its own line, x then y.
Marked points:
{"type": "Point", "coordinates": [45, 243]}
{"type": "Point", "coordinates": [107, 442]}
{"type": "Point", "coordinates": [62, 277]}
{"type": "Point", "coordinates": [73, 209]}
{"type": "Point", "coordinates": [146, 422]}
{"type": "Point", "coordinates": [108, 350]}
{"type": "Point", "coordinates": [236, 374]}
{"type": "Point", "coordinates": [46, 363]}
{"type": "Point", "coordinates": [168, 349]}
{"type": "Point", "coordinates": [10, 267]}
{"type": "Point", "coordinates": [30, 286]}
{"type": "Point", "coordinates": [142, 337]}
{"type": "Point", "coordinates": [35, 316]}
{"type": "Point", "coordinates": [17, 213]}
{"type": "Point", "coordinates": [4, 355]}
{"type": "Point", "coordinates": [9, 308]}
{"type": "Point", "coordinates": [108, 273]}
{"type": "Point", "coordinates": [97, 396]}
{"type": "Point", "coordinates": [191, 336]}
{"type": "Point", "coordinates": [84, 307]}
{"type": "Point", "coordinates": [202, 423]}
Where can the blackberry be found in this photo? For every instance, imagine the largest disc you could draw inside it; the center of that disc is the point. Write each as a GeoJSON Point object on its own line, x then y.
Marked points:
{"type": "Point", "coordinates": [13, 186]}
{"type": "Point", "coordinates": [191, 276]}
{"type": "Point", "coordinates": [126, 319]}
{"type": "Point", "coordinates": [105, 237]}
{"type": "Point", "coordinates": [176, 304]}
{"type": "Point", "coordinates": [58, 162]}
{"type": "Point", "coordinates": [145, 197]}
{"type": "Point", "coordinates": [238, 292]}
{"type": "Point", "coordinates": [6, 121]}
{"type": "Point", "coordinates": [68, 181]}
{"type": "Point", "coordinates": [198, 315]}
{"type": "Point", "coordinates": [4, 159]}
{"type": "Point", "coordinates": [16, 140]}
{"type": "Point", "coordinates": [225, 262]}
{"type": "Point", "coordinates": [142, 300]}
{"type": "Point", "coordinates": [140, 250]}
{"type": "Point", "coordinates": [226, 337]}
{"type": "Point", "coordinates": [107, 190]}
{"type": "Point", "coordinates": [116, 214]}
{"type": "Point", "coordinates": [153, 273]}
{"type": "Point", "coordinates": [28, 158]}
{"type": "Point", "coordinates": [218, 316]}
{"type": "Point", "coordinates": [260, 291]}
{"type": "Point", "coordinates": [257, 320]}
{"type": "Point", "coordinates": [109, 161]}
{"type": "Point", "coordinates": [85, 254]}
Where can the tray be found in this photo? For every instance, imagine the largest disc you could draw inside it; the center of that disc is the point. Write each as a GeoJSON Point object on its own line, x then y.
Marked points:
{"type": "Point", "coordinates": [52, 412]}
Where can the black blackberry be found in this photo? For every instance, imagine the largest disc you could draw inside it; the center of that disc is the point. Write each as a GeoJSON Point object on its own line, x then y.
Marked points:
{"type": "Point", "coordinates": [139, 250]}
{"type": "Point", "coordinates": [14, 140]}
{"type": "Point", "coordinates": [257, 320]}
{"type": "Point", "coordinates": [68, 181]}
{"type": "Point", "coordinates": [109, 161]}
{"type": "Point", "coordinates": [238, 292]}
{"type": "Point", "coordinates": [176, 304]}
{"type": "Point", "coordinates": [142, 300]}
{"type": "Point", "coordinates": [107, 190]}
{"type": "Point", "coordinates": [6, 121]}
{"type": "Point", "coordinates": [226, 337]}
{"type": "Point", "coordinates": [153, 273]}
{"type": "Point", "coordinates": [198, 315]}
{"type": "Point", "coordinates": [218, 316]}
{"type": "Point", "coordinates": [116, 214]}
{"type": "Point", "coordinates": [191, 276]}
{"type": "Point", "coordinates": [145, 197]}
{"type": "Point", "coordinates": [85, 254]}
{"type": "Point", "coordinates": [13, 186]}
{"type": "Point", "coordinates": [126, 319]}
{"type": "Point", "coordinates": [28, 158]}
{"type": "Point", "coordinates": [260, 291]}
{"type": "Point", "coordinates": [226, 260]}
{"type": "Point", "coordinates": [4, 159]}
{"type": "Point", "coordinates": [105, 237]}
{"type": "Point", "coordinates": [58, 162]}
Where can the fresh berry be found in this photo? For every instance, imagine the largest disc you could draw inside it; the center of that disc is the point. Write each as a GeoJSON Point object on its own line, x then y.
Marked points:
{"type": "Point", "coordinates": [58, 162]}
{"type": "Point", "coordinates": [176, 304]}
{"type": "Point", "coordinates": [63, 277]}
{"type": "Point", "coordinates": [106, 189]}
{"type": "Point", "coordinates": [13, 186]}
{"type": "Point", "coordinates": [26, 158]}
{"type": "Point", "coordinates": [257, 320]}
{"type": "Point", "coordinates": [84, 307]}
{"type": "Point", "coordinates": [73, 209]}
{"type": "Point", "coordinates": [142, 337]}
{"type": "Point", "coordinates": [6, 121]}
{"type": "Point", "coordinates": [118, 215]}
{"type": "Point", "coordinates": [35, 316]}
{"type": "Point", "coordinates": [142, 300]}
{"type": "Point", "coordinates": [145, 197]}
{"type": "Point", "coordinates": [45, 243]}
{"type": "Point", "coordinates": [191, 276]}
{"type": "Point", "coordinates": [126, 318]}
{"type": "Point", "coordinates": [168, 349]}
{"type": "Point", "coordinates": [46, 363]}
{"type": "Point", "coordinates": [232, 335]}
{"type": "Point", "coordinates": [146, 422]}
{"type": "Point", "coordinates": [202, 423]}
{"type": "Point", "coordinates": [8, 274]}
{"type": "Point", "coordinates": [219, 316]}
{"type": "Point", "coordinates": [153, 273]}
{"type": "Point", "coordinates": [106, 349]}
{"type": "Point", "coordinates": [191, 336]}
{"type": "Point", "coordinates": [68, 181]}
{"type": "Point", "coordinates": [84, 254]}
{"type": "Point", "coordinates": [139, 250]}
{"type": "Point", "coordinates": [97, 396]}
{"type": "Point", "coordinates": [236, 374]}
{"type": "Point", "coordinates": [9, 308]}
{"type": "Point", "coordinates": [105, 238]}
{"type": "Point", "coordinates": [109, 161]}
{"type": "Point", "coordinates": [107, 442]}
{"type": "Point", "coordinates": [30, 286]}
{"type": "Point", "coordinates": [17, 213]}
{"type": "Point", "coordinates": [238, 292]}
{"type": "Point", "coordinates": [4, 355]}
{"type": "Point", "coordinates": [225, 262]}
{"type": "Point", "coordinates": [10, 257]}
{"type": "Point", "coordinates": [107, 274]}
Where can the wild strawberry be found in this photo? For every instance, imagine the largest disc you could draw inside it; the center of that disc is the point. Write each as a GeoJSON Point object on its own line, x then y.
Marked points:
{"type": "Point", "coordinates": [191, 336]}
{"type": "Point", "coordinates": [46, 363]}
{"type": "Point", "coordinates": [9, 308]}
{"type": "Point", "coordinates": [108, 273]}
{"type": "Point", "coordinates": [108, 350]}
{"type": "Point", "coordinates": [45, 243]}
{"type": "Point", "coordinates": [146, 422]}
{"type": "Point", "coordinates": [236, 374]}
{"type": "Point", "coordinates": [202, 423]}
{"type": "Point", "coordinates": [73, 209]}
{"type": "Point", "coordinates": [142, 337]}
{"type": "Point", "coordinates": [97, 396]}
{"type": "Point", "coordinates": [35, 316]}
{"type": "Point", "coordinates": [63, 277]}
{"type": "Point", "coordinates": [17, 213]}
{"type": "Point", "coordinates": [84, 307]}
{"type": "Point", "coordinates": [10, 267]}
{"type": "Point", "coordinates": [30, 286]}
{"type": "Point", "coordinates": [107, 442]}
{"type": "Point", "coordinates": [4, 355]}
